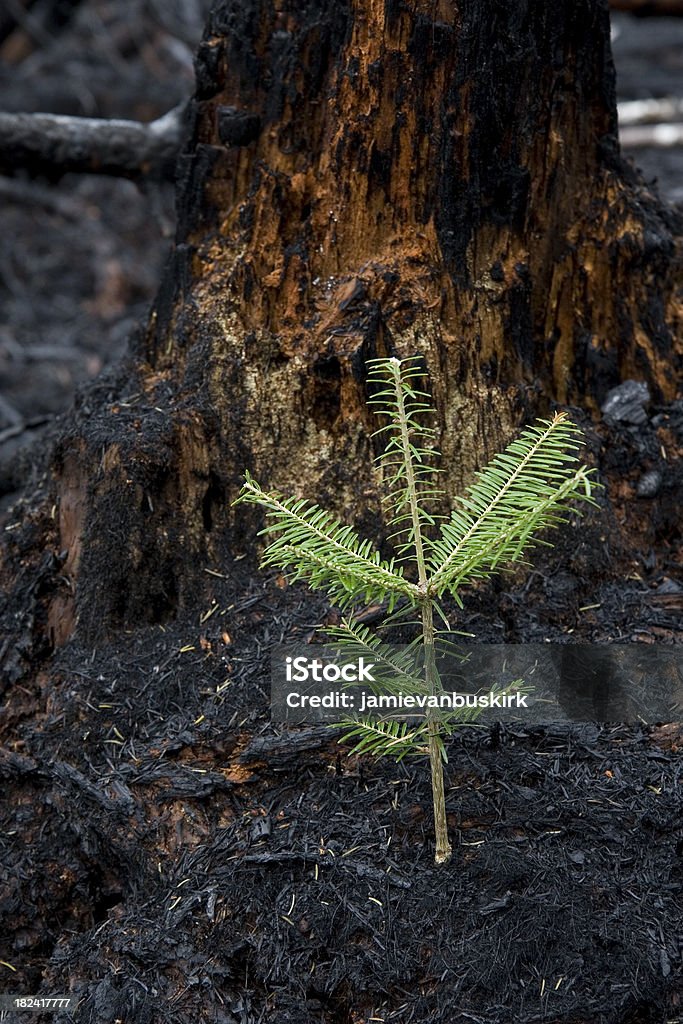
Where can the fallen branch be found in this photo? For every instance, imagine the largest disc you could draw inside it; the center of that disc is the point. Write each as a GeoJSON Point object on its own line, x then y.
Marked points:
{"type": "Point", "coordinates": [661, 136]}
{"type": "Point", "coordinates": [53, 145]}
{"type": "Point", "coordinates": [651, 111]}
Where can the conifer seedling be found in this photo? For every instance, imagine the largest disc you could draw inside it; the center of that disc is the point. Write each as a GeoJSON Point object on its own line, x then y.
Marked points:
{"type": "Point", "coordinates": [525, 489]}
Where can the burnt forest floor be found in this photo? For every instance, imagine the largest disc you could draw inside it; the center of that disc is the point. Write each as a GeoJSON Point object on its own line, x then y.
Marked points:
{"type": "Point", "coordinates": [166, 853]}
{"type": "Point", "coordinates": [169, 855]}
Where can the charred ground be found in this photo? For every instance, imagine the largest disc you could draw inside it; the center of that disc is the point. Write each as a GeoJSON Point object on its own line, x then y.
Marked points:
{"type": "Point", "coordinates": [170, 855]}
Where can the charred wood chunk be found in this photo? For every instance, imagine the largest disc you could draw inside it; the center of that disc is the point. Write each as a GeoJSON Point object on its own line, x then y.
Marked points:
{"type": "Point", "coordinates": [237, 127]}
{"type": "Point", "coordinates": [649, 484]}
{"type": "Point", "coordinates": [207, 69]}
{"type": "Point", "coordinates": [626, 403]}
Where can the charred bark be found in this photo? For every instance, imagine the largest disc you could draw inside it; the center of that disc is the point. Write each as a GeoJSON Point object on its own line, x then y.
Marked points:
{"type": "Point", "coordinates": [363, 178]}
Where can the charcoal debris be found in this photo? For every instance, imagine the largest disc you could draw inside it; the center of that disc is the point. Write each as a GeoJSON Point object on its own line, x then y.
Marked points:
{"type": "Point", "coordinates": [221, 864]}
{"type": "Point", "coordinates": [626, 402]}
{"type": "Point", "coordinates": [649, 484]}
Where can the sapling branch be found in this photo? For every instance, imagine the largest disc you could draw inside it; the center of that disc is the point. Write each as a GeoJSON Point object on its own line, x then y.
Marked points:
{"type": "Point", "coordinates": [523, 490]}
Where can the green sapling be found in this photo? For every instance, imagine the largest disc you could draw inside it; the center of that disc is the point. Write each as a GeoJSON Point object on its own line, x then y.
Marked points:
{"type": "Point", "coordinates": [523, 490]}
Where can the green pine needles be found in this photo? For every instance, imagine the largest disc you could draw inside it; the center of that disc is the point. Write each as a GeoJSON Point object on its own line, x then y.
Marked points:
{"type": "Point", "coordinates": [524, 490]}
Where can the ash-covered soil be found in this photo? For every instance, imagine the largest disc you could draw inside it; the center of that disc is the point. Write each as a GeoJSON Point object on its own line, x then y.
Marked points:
{"type": "Point", "coordinates": [170, 855]}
